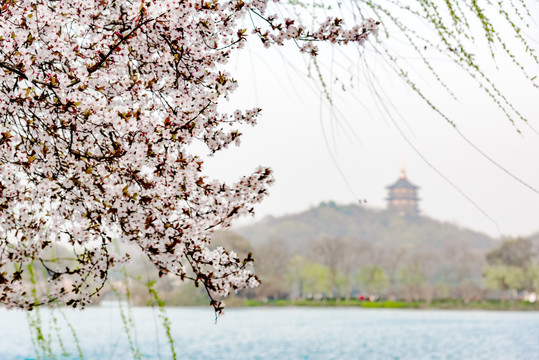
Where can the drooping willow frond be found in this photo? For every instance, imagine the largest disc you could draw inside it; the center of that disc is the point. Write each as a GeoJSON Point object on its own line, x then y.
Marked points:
{"type": "Point", "coordinates": [453, 29]}
{"type": "Point", "coordinates": [426, 42]}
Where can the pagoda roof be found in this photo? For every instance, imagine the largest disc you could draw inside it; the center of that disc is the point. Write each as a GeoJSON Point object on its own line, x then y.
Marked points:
{"type": "Point", "coordinates": [402, 183]}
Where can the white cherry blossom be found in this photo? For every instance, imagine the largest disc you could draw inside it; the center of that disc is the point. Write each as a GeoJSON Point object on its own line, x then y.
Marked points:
{"type": "Point", "coordinates": [99, 103]}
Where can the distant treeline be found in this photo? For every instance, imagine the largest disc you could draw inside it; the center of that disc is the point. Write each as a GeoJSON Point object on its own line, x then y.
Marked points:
{"type": "Point", "coordinates": [350, 252]}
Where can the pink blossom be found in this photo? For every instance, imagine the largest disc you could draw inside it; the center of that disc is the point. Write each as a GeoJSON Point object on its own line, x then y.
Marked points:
{"type": "Point", "coordinates": [99, 102]}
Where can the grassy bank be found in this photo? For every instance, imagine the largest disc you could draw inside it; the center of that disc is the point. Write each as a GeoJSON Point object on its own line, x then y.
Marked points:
{"type": "Point", "coordinates": [390, 304]}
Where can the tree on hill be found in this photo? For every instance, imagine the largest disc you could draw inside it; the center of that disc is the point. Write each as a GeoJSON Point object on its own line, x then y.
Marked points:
{"type": "Point", "coordinates": [393, 256]}
{"type": "Point", "coordinates": [272, 261]}
{"type": "Point", "coordinates": [512, 252]}
{"type": "Point", "coordinates": [372, 279]}
{"type": "Point", "coordinates": [341, 256]}
{"type": "Point", "coordinates": [504, 278]}
{"type": "Point", "coordinates": [463, 267]}
{"type": "Point", "coordinates": [511, 266]}
{"type": "Point", "coordinates": [375, 227]}
{"type": "Point", "coordinates": [308, 278]}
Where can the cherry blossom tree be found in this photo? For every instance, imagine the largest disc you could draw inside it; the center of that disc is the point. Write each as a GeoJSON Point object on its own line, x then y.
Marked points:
{"type": "Point", "coordinates": [101, 103]}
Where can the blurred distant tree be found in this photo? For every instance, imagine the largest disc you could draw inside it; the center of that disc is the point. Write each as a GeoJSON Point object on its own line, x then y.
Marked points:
{"type": "Point", "coordinates": [330, 251]}
{"type": "Point", "coordinates": [372, 280]}
{"type": "Point", "coordinates": [462, 264]}
{"type": "Point", "coordinates": [350, 262]}
{"type": "Point", "coordinates": [428, 262]}
{"type": "Point", "coordinates": [272, 259]}
{"type": "Point", "coordinates": [532, 278]}
{"type": "Point", "coordinates": [512, 252]}
{"type": "Point", "coordinates": [340, 255]}
{"type": "Point", "coordinates": [411, 278]}
{"type": "Point", "coordinates": [309, 278]}
{"type": "Point", "coordinates": [315, 277]}
{"type": "Point", "coordinates": [510, 266]}
{"type": "Point", "coordinates": [504, 278]}
{"type": "Point", "coordinates": [390, 260]}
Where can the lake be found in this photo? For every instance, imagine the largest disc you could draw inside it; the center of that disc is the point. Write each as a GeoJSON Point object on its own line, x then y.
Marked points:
{"type": "Point", "coordinates": [283, 333]}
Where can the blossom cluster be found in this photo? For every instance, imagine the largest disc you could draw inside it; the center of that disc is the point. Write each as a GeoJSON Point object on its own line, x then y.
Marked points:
{"type": "Point", "coordinates": [332, 30]}
{"type": "Point", "coordinates": [100, 102]}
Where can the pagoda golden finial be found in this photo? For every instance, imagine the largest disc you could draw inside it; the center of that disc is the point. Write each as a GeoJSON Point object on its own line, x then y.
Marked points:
{"type": "Point", "coordinates": [403, 172]}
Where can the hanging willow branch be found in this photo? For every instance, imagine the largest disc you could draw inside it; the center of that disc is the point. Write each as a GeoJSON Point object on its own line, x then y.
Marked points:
{"type": "Point", "coordinates": [451, 28]}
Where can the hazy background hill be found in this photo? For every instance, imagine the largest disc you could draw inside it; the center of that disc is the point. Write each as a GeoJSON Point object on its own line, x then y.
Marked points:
{"type": "Point", "coordinates": [336, 251]}
{"type": "Point", "coordinates": [373, 226]}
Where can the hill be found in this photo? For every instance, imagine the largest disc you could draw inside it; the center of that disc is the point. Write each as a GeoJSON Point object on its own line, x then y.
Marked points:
{"type": "Point", "coordinates": [374, 226]}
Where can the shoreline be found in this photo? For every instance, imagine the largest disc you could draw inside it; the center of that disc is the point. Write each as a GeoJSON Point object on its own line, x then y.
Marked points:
{"type": "Point", "coordinates": [442, 304]}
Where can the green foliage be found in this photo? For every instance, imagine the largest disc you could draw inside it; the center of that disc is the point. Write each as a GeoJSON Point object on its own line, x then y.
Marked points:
{"type": "Point", "coordinates": [42, 340]}
{"type": "Point", "coordinates": [308, 276]}
{"type": "Point", "coordinates": [354, 221]}
{"type": "Point", "coordinates": [532, 275]}
{"type": "Point", "coordinates": [75, 336]}
{"type": "Point", "coordinates": [409, 256]}
{"type": "Point", "coordinates": [164, 317]}
{"type": "Point", "coordinates": [502, 277]}
{"type": "Point", "coordinates": [411, 275]}
{"type": "Point", "coordinates": [58, 337]}
{"type": "Point", "coordinates": [512, 252]}
{"type": "Point", "coordinates": [391, 304]}
{"type": "Point", "coordinates": [450, 29]}
{"type": "Point", "coordinates": [512, 267]}
{"type": "Point", "coordinates": [373, 278]}
{"type": "Point", "coordinates": [42, 344]}
{"type": "Point", "coordinates": [127, 318]}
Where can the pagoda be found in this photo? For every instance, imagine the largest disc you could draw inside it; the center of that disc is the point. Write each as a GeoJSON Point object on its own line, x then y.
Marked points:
{"type": "Point", "coordinates": [402, 196]}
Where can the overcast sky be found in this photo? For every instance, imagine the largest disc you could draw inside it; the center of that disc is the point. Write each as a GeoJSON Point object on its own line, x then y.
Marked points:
{"type": "Point", "coordinates": [351, 153]}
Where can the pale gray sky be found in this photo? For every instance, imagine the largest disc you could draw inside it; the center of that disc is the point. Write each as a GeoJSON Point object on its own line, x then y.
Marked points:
{"type": "Point", "coordinates": [367, 146]}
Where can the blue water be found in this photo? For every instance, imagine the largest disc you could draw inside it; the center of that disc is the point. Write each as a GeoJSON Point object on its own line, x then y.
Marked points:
{"type": "Point", "coordinates": [286, 333]}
